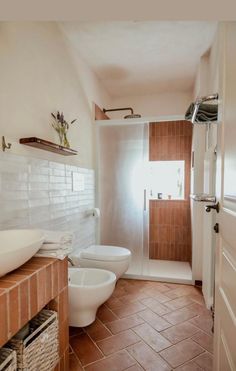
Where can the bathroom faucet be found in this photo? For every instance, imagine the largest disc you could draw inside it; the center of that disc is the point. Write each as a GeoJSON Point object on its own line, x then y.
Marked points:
{"type": "Point", "coordinates": [70, 261]}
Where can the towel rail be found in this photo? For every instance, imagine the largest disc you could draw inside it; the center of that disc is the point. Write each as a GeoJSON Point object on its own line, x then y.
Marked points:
{"type": "Point", "coordinates": [201, 100]}
{"type": "Point", "coordinates": [202, 197]}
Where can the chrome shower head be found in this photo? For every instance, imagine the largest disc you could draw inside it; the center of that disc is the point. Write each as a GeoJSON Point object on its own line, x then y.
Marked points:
{"type": "Point", "coordinates": [132, 116]}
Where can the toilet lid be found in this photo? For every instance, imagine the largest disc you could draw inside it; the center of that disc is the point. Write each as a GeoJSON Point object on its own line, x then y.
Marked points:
{"type": "Point", "coordinates": [105, 253]}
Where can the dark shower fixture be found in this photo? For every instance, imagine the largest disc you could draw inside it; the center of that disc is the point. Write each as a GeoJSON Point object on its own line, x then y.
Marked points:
{"type": "Point", "coordinates": [131, 116]}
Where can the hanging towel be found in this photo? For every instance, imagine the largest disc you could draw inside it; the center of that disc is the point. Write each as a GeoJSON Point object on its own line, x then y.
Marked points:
{"type": "Point", "coordinates": [206, 112]}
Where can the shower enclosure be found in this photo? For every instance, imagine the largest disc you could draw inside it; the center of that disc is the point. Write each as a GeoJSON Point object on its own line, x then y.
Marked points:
{"type": "Point", "coordinates": [122, 191]}
{"type": "Point", "coordinates": [132, 215]}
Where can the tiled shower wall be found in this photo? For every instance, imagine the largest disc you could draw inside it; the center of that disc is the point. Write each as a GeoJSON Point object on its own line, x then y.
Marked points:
{"type": "Point", "coordinates": [170, 221]}
{"type": "Point", "coordinates": [38, 193]}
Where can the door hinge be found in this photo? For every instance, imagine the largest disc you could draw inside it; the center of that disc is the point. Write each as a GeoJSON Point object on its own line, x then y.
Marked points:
{"type": "Point", "coordinates": [216, 228]}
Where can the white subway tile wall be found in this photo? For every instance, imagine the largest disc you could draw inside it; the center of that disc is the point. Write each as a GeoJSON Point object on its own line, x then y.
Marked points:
{"type": "Point", "coordinates": [39, 194]}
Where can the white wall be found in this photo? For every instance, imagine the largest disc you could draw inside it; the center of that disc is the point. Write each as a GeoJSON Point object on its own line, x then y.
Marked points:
{"type": "Point", "coordinates": [165, 104]}
{"type": "Point", "coordinates": [206, 83]}
{"type": "Point", "coordinates": [39, 74]}
{"type": "Point", "coordinates": [38, 193]}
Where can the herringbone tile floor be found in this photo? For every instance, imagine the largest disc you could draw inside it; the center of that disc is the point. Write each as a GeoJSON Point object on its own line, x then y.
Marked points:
{"type": "Point", "coordinates": [149, 326]}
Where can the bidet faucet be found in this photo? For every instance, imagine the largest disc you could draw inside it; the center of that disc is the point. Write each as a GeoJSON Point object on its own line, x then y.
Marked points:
{"type": "Point", "coordinates": [70, 261]}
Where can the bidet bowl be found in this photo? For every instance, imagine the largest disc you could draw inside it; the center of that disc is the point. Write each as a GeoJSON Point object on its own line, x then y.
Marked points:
{"type": "Point", "coordinates": [17, 246]}
{"type": "Point", "coordinates": [88, 289]}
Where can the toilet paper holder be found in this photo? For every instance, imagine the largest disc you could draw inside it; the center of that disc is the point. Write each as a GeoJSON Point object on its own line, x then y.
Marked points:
{"type": "Point", "coordinates": [95, 212]}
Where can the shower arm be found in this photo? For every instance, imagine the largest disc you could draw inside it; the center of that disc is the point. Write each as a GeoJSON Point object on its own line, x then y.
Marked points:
{"type": "Point", "coordinates": [199, 101]}
{"type": "Point", "coordinates": [119, 109]}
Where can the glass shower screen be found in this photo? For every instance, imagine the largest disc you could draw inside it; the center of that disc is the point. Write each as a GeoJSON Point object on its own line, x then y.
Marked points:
{"type": "Point", "coordinates": [122, 174]}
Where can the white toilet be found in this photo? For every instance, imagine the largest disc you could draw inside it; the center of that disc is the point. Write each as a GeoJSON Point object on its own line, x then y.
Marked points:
{"type": "Point", "coordinates": [113, 258]}
{"type": "Point", "coordinates": [88, 289]}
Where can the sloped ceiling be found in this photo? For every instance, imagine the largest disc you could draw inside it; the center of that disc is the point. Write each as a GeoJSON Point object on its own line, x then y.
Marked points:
{"type": "Point", "coordinates": [136, 57]}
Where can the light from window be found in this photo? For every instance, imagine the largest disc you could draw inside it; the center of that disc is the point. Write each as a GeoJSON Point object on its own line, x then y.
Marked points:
{"type": "Point", "coordinates": [166, 178]}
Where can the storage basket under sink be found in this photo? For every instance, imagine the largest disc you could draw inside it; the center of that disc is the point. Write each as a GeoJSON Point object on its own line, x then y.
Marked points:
{"type": "Point", "coordinates": [7, 359]}
{"type": "Point", "coordinates": [39, 351]}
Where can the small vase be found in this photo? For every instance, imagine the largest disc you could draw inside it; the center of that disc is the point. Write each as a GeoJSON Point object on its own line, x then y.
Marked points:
{"type": "Point", "coordinates": [63, 139]}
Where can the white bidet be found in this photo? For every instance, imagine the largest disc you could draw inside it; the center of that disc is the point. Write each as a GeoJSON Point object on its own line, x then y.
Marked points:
{"type": "Point", "coordinates": [88, 289]}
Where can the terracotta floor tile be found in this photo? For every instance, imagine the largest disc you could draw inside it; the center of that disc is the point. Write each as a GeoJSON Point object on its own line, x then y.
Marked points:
{"type": "Point", "coordinates": [124, 324]}
{"type": "Point", "coordinates": [206, 341]}
{"type": "Point", "coordinates": [197, 298]}
{"type": "Point", "coordinates": [85, 349]}
{"type": "Point", "coordinates": [113, 302]}
{"type": "Point", "coordinates": [200, 309]}
{"type": "Point", "coordinates": [128, 309]}
{"type": "Point", "coordinates": [134, 368]}
{"type": "Point", "coordinates": [179, 303]}
{"type": "Point", "coordinates": [138, 285]}
{"type": "Point", "coordinates": [181, 291]}
{"type": "Point", "coordinates": [190, 366]}
{"type": "Point", "coordinates": [204, 322]}
{"type": "Point", "coordinates": [97, 331]}
{"type": "Point", "coordinates": [119, 291]}
{"type": "Point", "coordinates": [180, 332]}
{"type": "Point", "coordinates": [205, 361]}
{"type": "Point", "coordinates": [117, 362]}
{"type": "Point", "coordinates": [147, 358]}
{"type": "Point", "coordinates": [131, 298]}
{"type": "Point", "coordinates": [174, 286]}
{"type": "Point", "coordinates": [152, 337]}
{"type": "Point", "coordinates": [118, 342]}
{"type": "Point", "coordinates": [105, 314]}
{"type": "Point", "coordinates": [157, 322]}
{"type": "Point", "coordinates": [132, 290]}
{"type": "Point", "coordinates": [122, 282]}
{"type": "Point", "coordinates": [181, 353]}
{"type": "Point", "coordinates": [180, 315]}
{"type": "Point", "coordinates": [161, 287]}
{"type": "Point", "coordinates": [162, 298]}
{"type": "Point", "coordinates": [155, 306]}
{"type": "Point", "coordinates": [75, 331]}
{"type": "Point", "coordinates": [74, 364]}
{"type": "Point", "coordinates": [140, 319]}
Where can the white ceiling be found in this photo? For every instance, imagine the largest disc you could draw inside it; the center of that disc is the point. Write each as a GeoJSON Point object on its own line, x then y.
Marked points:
{"type": "Point", "coordinates": [142, 57]}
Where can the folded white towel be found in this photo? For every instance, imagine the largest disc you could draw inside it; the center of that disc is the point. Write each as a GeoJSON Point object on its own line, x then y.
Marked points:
{"type": "Point", "coordinates": [55, 246]}
{"type": "Point", "coordinates": [58, 237]}
{"type": "Point", "coordinates": [58, 254]}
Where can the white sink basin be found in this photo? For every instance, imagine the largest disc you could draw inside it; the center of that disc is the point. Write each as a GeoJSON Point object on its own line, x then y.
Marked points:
{"type": "Point", "coordinates": [17, 246]}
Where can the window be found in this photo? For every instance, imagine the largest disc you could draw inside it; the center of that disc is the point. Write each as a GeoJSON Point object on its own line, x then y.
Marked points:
{"type": "Point", "coordinates": [166, 178]}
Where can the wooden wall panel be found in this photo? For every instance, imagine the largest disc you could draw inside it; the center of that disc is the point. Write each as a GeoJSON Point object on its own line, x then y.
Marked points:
{"type": "Point", "coordinates": [99, 114]}
{"type": "Point", "coordinates": [170, 223]}
{"type": "Point", "coordinates": [170, 230]}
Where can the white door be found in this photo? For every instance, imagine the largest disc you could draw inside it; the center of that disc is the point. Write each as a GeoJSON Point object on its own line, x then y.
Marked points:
{"type": "Point", "coordinates": [209, 219]}
{"type": "Point", "coordinates": [225, 305]}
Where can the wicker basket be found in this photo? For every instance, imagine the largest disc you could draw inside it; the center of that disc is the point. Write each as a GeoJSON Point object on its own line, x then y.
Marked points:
{"type": "Point", "coordinates": [7, 359]}
{"type": "Point", "coordinates": [39, 350]}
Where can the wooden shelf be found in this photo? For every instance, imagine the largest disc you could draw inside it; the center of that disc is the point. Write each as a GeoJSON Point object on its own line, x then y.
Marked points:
{"type": "Point", "coordinates": [48, 146]}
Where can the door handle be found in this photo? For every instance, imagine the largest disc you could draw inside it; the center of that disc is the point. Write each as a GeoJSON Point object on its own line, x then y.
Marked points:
{"type": "Point", "coordinates": [144, 199]}
{"type": "Point", "coordinates": [216, 207]}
